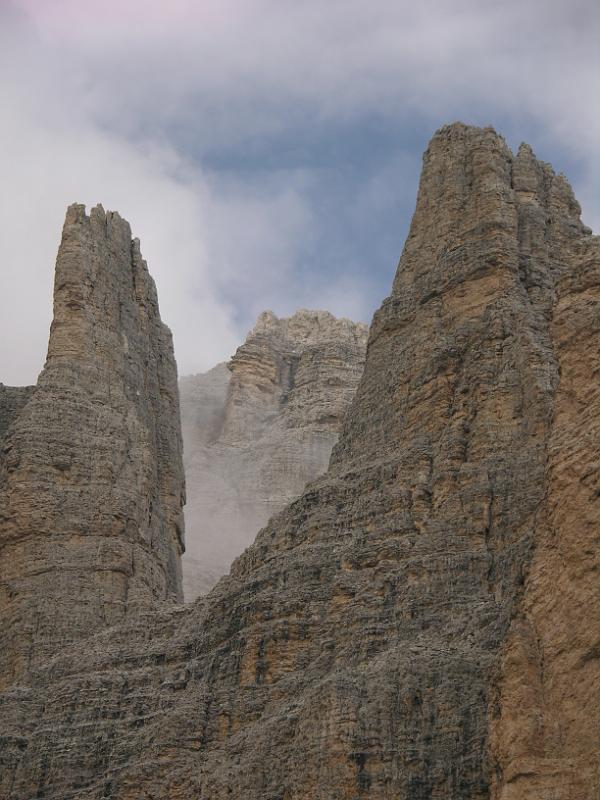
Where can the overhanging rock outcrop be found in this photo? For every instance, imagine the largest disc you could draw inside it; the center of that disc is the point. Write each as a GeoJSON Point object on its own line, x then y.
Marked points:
{"type": "Point", "coordinates": [91, 478]}
{"type": "Point", "coordinates": [423, 623]}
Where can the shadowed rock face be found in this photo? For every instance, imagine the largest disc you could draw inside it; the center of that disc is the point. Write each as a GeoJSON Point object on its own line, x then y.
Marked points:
{"type": "Point", "coordinates": [91, 480]}
{"type": "Point", "coordinates": [423, 622]}
{"type": "Point", "coordinates": [12, 401]}
{"type": "Point", "coordinates": [258, 429]}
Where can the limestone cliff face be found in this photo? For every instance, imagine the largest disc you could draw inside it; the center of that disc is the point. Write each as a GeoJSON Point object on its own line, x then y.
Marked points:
{"type": "Point", "coordinates": [258, 429]}
{"type": "Point", "coordinates": [422, 623]}
{"type": "Point", "coordinates": [91, 479]}
{"type": "Point", "coordinates": [545, 709]}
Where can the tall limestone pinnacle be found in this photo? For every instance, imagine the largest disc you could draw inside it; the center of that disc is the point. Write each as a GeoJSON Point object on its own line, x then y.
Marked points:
{"type": "Point", "coordinates": [423, 622]}
{"type": "Point", "coordinates": [91, 479]}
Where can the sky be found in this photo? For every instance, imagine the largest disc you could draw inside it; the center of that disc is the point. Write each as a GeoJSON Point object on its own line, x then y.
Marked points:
{"type": "Point", "coordinates": [266, 152]}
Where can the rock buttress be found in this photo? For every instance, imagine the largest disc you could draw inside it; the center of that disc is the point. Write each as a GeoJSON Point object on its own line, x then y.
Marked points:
{"type": "Point", "coordinates": [372, 642]}
{"type": "Point", "coordinates": [91, 479]}
{"type": "Point", "coordinates": [545, 707]}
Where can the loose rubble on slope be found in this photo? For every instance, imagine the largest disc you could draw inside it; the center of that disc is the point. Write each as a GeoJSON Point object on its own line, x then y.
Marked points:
{"type": "Point", "coordinates": [423, 622]}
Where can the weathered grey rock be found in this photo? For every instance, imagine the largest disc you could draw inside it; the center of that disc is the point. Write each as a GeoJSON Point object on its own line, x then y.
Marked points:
{"type": "Point", "coordinates": [257, 430]}
{"type": "Point", "coordinates": [12, 401]}
{"type": "Point", "coordinates": [423, 622]}
{"type": "Point", "coordinates": [91, 479]}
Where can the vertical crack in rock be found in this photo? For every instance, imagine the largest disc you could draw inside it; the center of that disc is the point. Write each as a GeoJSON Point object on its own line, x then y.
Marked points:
{"type": "Point", "coordinates": [259, 428]}
{"type": "Point", "coordinates": [91, 479]}
{"type": "Point", "coordinates": [421, 624]}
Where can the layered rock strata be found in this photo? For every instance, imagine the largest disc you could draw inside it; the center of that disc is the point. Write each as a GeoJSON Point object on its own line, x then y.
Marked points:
{"type": "Point", "coordinates": [257, 430]}
{"type": "Point", "coordinates": [423, 622]}
{"type": "Point", "coordinates": [12, 401]}
{"type": "Point", "coordinates": [91, 478]}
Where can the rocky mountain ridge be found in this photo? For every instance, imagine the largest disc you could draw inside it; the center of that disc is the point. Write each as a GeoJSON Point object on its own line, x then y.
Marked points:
{"type": "Point", "coordinates": [422, 622]}
{"type": "Point", "coordinates": [257, 430]}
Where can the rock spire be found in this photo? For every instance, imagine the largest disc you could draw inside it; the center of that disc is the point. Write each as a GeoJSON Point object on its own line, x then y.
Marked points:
{"type": "Point", "coordinates": [91, 478]}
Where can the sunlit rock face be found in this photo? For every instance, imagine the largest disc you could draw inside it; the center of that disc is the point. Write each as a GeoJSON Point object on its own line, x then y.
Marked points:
{"type": "Point", "coordinates": [91, 478]}
{"type": "Point", "coordinates": [258, 429]}
{"type": "Point", "coordinates": [423, 622]}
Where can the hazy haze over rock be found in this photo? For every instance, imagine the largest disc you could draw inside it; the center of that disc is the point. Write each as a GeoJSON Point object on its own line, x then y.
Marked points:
{"type": "Point", "coordinates": [91, 479]}
{"type": "Point", "coordinates": [257, 430]}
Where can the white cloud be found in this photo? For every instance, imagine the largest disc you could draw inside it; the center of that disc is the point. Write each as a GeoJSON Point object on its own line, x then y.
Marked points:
{"type": "Point", "coordinates": [52, 165]}
{"type": "Point", "coordinates": [198, 235]}
{"type": "Point", "coordinates": [247, 60]}
{"type": "Point", "coordinates": [127, 103]}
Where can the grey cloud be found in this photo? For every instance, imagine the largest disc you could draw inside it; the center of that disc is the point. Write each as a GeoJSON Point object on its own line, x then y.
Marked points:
{"type": "Point", "coordinates": [160, 111]}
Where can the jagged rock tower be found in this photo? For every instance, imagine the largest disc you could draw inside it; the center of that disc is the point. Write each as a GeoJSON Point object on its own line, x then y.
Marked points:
{"type": "Point", "coordinates": [91, 478]}
{"type": "Point", "coordinates": [423, 623]}
{"type": "Point", "coordinates": [258, 429]}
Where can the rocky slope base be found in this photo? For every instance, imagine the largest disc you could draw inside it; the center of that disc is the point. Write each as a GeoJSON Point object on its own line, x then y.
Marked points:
{"type": "Point", "coordinates": [423, 622]}
{"type": "Point", "coordinates": [256, 430]}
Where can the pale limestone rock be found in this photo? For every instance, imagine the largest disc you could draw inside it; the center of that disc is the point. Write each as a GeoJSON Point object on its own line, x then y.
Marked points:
{"type": "Point", "coordinates": [91, 479]}
{"type": "Point", "coordinates": [423, 622]}
{"type": "Point", "coordinates": [12, 400]}
{"type": "Point", "coordinates": [258, 429]}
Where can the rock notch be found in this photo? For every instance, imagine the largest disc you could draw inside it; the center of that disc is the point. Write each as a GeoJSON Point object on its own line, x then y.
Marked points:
{"type": "Point", "coordinates": [91, 478]}
{"type": "Point", "coordinates": [258, 429]}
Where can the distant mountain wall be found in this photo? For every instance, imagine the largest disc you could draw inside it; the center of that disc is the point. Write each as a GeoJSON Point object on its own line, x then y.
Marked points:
{"type": "Point", "coordinates": [258, 429]}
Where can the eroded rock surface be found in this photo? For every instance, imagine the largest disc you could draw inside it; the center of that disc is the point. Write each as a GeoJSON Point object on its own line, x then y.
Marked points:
{"type": "Point", "coordinates": [12, 401]}
{"type": "Point", "coordinates": [257, 430]}
{"type": "Point", "coordinates": [91, 478]}
{"type": "Point", "coordinates": [422, 623]}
